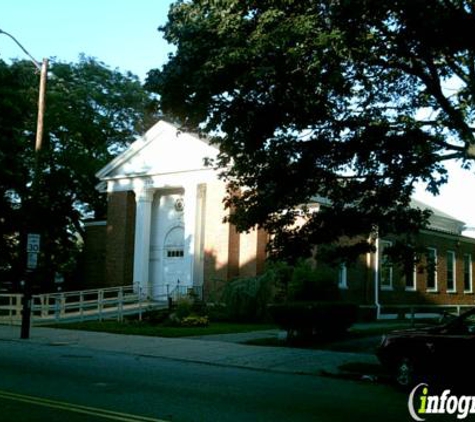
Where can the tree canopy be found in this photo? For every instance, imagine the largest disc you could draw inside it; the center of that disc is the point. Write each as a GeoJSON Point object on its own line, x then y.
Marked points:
{"type": "Point", "coordinates": [351, 100]}
{"type": "Point", "coordinates": [92, 112]}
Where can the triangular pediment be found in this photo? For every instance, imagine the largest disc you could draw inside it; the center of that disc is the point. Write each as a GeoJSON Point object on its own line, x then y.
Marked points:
{"type": "Point", "coordinates": [163, 149]}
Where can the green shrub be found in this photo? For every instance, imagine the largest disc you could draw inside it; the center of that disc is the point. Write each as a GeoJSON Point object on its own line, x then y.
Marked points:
{"type": "Point", "coordinates": [310, 319]}
{"type": "Point", "coordinates": [246, 299]}
{"type": "Point", "coordinates": [155, 316]}
{"type": "Point", "coordinates": [188, 312]}
{"type": "Point", "coordinates": [194, 321]}
{"type": "Point", "coordinates": [218, 312]}
{"type": "Point", "coordinates": [280, 273]}
{"type": "Point", "coordinates": [309, 283]}
{"type": "Point", "coordinates": [183, 308]}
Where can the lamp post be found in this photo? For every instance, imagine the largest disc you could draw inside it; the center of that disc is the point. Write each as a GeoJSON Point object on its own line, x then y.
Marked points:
{"type": "Point", "coordinates": [33, 242]}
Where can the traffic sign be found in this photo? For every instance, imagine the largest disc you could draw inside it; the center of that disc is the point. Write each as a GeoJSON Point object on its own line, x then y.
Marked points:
{"type": "Point", "coordinates": [32, 249]}
{"type": "Point", "coordinates": [33, 243]}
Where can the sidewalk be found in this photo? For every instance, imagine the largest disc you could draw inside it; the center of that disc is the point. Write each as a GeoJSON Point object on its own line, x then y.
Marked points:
{"type": "Point", "coordinates": [217, 351]}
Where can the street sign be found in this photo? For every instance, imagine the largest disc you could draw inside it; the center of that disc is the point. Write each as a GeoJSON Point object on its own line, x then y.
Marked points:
{"type": "Point", "coordinates": [32, 261]}
{"type": "Point", "coordinates": [33, 243]}
{"type": "Point", "coordinates": [32, 249]}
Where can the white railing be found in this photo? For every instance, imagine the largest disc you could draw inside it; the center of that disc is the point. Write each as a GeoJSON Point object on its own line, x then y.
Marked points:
{"type": "Point", "coordinates": [107, 302]}
{"type": "Point", "coordinates": [10, 308]}
{"type": "Point", "coordinates": [110, 302]}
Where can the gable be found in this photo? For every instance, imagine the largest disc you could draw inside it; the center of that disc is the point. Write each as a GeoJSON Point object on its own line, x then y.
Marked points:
{"type": "Point", "coordinates": [163, 149]}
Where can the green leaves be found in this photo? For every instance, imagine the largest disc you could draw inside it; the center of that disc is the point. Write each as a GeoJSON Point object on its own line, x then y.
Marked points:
{"type": "Point", "coordinates": [324, 99]}
{"type": "Point", "coordinates": [92, 112]}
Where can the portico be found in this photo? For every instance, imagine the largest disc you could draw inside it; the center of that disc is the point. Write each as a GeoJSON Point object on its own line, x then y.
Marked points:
{"type": "Point", "coordinates": [165, 231]}
{"type": "Point", "coordinates": [165, 171]}
{"type": "Point", "coordinates": [168, 255]}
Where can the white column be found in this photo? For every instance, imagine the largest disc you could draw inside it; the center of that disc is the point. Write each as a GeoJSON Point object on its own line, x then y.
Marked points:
{"type": "Point", "coordinates": [190, 226]}
{"type": "Point", "coordinates": [198, 262]}
{"type": "Point", "coordinates": [143, 216]}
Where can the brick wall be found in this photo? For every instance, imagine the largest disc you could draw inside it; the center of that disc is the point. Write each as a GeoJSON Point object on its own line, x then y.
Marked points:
{"type": "Point", "coordinates": [233, 252]}
{"type": "Point", "coordinates": [94, 256]}
{"type": "Point", "coordinates": [228, 254]}
{"type": "Point", "coordinates": [360, 283]}
{"type": "Point", "coordinates": [442, 243]}
{"type": "Point", "coordinates": [261, 252]}
{"type": "Point", "coordinates": [360, 275]}
{"type": "Point", "coordinates": [248, 254]}
{"type": "Point", "coordinates": [217, 245]}
{"type": "Point", "coordinates": [120, 238]}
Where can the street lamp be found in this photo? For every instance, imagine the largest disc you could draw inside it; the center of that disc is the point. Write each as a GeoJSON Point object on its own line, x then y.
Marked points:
{"type": "Point", "coordinates": [43, 68]}
{"type": "Point", "coordinates": [33, 242]}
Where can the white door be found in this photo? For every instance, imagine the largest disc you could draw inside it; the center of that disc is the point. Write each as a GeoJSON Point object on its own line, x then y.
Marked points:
{"type": "Point", "coordinates": [168, 257]}
{"type": "Point", "coordinates": [174, 263]}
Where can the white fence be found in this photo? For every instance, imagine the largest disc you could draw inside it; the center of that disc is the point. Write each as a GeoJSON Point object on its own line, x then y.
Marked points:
{"type": "Point", "coordinates": [111, 302]}
{"type": "Point", "coordinates": [10, 308]}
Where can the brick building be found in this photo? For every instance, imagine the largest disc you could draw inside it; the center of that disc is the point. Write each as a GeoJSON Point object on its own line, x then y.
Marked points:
{"type": "Point", "coordinates": [440, 275]}
{"type": "Point", "coordinates": [165, 230]}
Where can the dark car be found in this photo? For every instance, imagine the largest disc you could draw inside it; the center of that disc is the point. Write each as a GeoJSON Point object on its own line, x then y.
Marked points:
{"type": "Point", "coordinates": [445, 351]}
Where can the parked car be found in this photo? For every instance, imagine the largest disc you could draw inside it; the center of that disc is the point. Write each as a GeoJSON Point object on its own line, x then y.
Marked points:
{"type": "Point", "coordinates": [436, 352]}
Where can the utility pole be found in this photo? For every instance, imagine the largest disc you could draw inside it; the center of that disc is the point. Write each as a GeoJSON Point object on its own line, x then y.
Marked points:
{"type": "Point", "coordinates": [33, 239]}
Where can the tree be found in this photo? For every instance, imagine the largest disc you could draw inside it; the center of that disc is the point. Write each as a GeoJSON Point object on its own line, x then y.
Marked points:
{"type": "Point", "coordinates": [354, 101]}
{"type": "Point", "coordinates": [92, 113]}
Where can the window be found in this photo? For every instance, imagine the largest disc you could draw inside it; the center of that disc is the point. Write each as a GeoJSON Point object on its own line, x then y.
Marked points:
{"type": "Point", "coordinates": [342, 276]}
{"type": "Point", "coordinates": [175, 253]}
{"type": "Point", "coordinates": [174, 244]}
{"type": "Point", "coordinates": [431, 268]}
{"type": "Point", "coordinates": [386, 269]}
{"type": "Point", "coordinates": [467, 273]}
{"type": "Point", "coordinates": [451, 281]}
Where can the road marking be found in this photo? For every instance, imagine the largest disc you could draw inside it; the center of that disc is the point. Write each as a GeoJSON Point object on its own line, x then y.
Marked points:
{"type": "Point", "coordinates": [77, 408]}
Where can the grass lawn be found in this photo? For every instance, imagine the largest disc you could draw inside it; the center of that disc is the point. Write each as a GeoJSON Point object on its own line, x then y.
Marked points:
{"type": "Point", "coordinates": [142, 328]}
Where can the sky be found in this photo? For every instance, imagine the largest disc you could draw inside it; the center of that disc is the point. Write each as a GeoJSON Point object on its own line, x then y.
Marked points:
{"type": "Point", "coordinates": [123, 34]}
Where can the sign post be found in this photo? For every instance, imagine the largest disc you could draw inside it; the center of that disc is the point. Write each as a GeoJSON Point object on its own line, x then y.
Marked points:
{"type": "Point", "coordinates": [32, 250]}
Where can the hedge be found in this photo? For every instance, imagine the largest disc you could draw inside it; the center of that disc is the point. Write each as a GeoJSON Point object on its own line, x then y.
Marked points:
{"type": "Point", "coordinates": [304, 319]}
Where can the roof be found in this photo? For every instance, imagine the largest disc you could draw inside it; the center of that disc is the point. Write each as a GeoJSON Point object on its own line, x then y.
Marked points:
{"type": "Point", "coordinates": [163, 148]}
{"type": "Point", "coordinates": [440, 220]}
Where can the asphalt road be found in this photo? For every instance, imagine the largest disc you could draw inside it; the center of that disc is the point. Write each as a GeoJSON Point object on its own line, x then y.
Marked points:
{"type": "Point", "coordinates": [63, 383]}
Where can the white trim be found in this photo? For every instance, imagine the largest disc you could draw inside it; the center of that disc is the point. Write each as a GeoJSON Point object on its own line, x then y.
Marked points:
{"type": "Point", "coordinates": [454, 271]}
{"type": "Point", "coordinates": [158, 129]}
{"type": "Point", "coordinates": [143, 214]}
{"type": "Point", "coordinates": [199, 235]}
{"type": "Point", "coordinates": [133, 149]}
{"type": "Point", "coordinates": [150, 176]}
{"type": "Point", "coordinates": [412, 288]}
{"type": "Point", "coordinates": [342, 276]}
{"type": "Point", "coordinates": [95, 223]}
{"type": "Point", "coordinates": [470, 273]}
{"type": "Point", "coordinates": [376, 276]}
